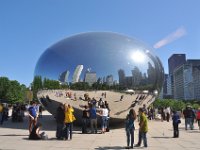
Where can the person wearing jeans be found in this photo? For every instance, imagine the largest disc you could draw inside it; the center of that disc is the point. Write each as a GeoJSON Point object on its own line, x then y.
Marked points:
{"type": "Point", "coordinates": [176, 121]}
{"type": "Point", "coordinates": [143, 128]}
{"type": "Point", "coordinates": [130, 128]}
{"type": "Point", "coordinates": [93, 119]}
{"type": "Point", "coordinates": [69, 119]}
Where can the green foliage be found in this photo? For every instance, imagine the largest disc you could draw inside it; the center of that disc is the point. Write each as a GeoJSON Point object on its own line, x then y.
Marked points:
{"type": "Point", "coordinates": [51, 84]}
{"type": "Point", "coordinates": [36, 86]}
{"type": "Point", "coordinates": [80, 86]}
{"type": "Point", "coordinates": [11, 90]}
{"type": "Point", "coordinates": [175, 104]}
{"type": "Point", "coordinates": [4, 86]}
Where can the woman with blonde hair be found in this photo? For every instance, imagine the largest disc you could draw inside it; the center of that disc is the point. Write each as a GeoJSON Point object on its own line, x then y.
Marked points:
{"type": "Point", "coordinates": [69, 119]}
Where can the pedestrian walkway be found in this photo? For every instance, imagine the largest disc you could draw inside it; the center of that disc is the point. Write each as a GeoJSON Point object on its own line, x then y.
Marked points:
{"type": "Point", "coordinates": [14, 136]}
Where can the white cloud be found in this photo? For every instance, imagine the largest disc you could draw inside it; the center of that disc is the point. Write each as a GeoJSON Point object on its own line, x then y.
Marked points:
{"type": "Point", "coordinates": [180, 32]}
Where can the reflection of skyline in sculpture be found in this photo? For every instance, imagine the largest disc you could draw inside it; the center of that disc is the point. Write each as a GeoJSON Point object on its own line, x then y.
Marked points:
{"type": "Point", "coordinates": [63, 78]}
{"type": "Point", "coordinates": [77, 73]}
{"type": "Point", "coordinates": [96, 63]}
{"type": "Point", "coordinates": [138, 78]}
{"type": "Point", "coordinates": [90, 77]}
{"type": "Point", "coordinates": [115, 60]}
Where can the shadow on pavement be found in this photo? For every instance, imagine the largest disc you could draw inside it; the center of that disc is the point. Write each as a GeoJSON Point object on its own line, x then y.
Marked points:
{"type": "Point", "coordinates": [14, 135]}
{"type": "Point", "coordinates": [48, 124]}
{"type": "Point", "coordinates": [161, 137]}
{"type": "Point", "coordinates": [110, 147]}
{"type": "Point", "coordinates": [47, 121]}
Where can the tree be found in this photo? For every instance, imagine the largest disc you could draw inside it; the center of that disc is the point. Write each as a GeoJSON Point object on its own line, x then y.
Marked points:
{"type": "Point", "coordinates": [36, 85]}
{"type": "Point", "coordinates": [15, 92]}
{"type": "Point", "coordinates": [4, 86]}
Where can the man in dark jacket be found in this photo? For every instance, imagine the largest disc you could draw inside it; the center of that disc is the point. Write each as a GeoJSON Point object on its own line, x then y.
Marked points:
{"type": "Point", "coordinates": [60, 116]}
{"type": "Point", "coordinates": [189, 115]}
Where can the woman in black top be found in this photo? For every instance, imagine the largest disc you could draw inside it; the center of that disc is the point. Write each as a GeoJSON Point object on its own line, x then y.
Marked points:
{"type": "Point", "coordinates": [85, 119]}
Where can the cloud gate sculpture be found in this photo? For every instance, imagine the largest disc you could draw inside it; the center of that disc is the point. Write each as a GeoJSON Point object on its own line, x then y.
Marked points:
{"type": "Point", "coordinates": [116, 68]}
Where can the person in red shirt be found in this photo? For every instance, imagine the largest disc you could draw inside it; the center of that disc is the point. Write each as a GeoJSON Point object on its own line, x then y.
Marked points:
{"type": "Point", "coordinates": [198, 117]}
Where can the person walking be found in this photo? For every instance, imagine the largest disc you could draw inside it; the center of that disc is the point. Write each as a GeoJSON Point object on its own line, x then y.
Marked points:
{"type": "Point", "coordinates": [130, 127]}
{"type": "Point", "coordinates": [175, 121]}
{"type": "Point", "coordinates": [143, 128]}
{"type": "Point", "coordinates": [189, 116]}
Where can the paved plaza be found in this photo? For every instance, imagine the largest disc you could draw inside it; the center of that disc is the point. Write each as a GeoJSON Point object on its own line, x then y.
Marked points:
{"type": "Point", "coordinates": [14, 136]}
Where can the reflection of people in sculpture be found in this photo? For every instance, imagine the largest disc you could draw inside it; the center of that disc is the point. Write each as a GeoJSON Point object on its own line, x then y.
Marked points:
{"type": "Point", "coordinates": [100, 103]}
{"type": "Point", "coordinates": [86, 96]}
{"type": "Point", "coordinates": [68, 94]}
{"type": "Point", "coordinates": [122, 96]}
{"type": "Point", "coordinates": [75, 98]}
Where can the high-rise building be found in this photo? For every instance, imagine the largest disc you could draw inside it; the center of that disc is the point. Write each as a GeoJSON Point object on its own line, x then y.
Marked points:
{"type": "Point", "coordinates": [187, 80]}
{"type": "Point", "coordinates": [77, 73]}
{"type": "Point", "coordinates": [109, 80]}
{"type": "Point", "coordinates": [129, 81]}
{"type": "Point", "coordinates": [176, 60]}
{"type": "Point", "coordinates": [122, 77]}
{"type": "Point", "coordinates": [63, 78]}
{"type": "Point", "coordinates": [136, 76]}
{"type": "Point", "coordinates": [169, 85]}
{"type": "Point", "coordinates": [178, 77]}
{"type": "Point", "coordinates": [90, 77]}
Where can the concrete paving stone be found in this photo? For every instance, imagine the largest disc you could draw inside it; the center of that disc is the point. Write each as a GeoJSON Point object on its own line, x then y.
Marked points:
{"type": "Point", "coordinates": [14, 136]}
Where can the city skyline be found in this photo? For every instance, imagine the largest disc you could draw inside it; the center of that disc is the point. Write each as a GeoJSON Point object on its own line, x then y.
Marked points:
{"type": "Point", "coordinates": [170, 27]}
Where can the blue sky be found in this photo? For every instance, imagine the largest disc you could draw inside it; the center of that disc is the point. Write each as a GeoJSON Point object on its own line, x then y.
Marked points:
{"type": "Point", "coordinates": [29, 27]}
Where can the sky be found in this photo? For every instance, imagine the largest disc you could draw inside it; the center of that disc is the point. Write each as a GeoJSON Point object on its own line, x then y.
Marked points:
{"type": "Point", "coordinates": [29, 27]}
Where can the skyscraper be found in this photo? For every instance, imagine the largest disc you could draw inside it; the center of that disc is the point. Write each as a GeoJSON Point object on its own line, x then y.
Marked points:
{"type": "Point", "coordinates": [77, 73]}
{"type": "Point", "coordinates": [90, 77]}
{"type": "Point", "coordinates": [187, 80]}
{"type": "Point", "coordinates": [63, 78]}
{"type": "Point", "coordinates": [122, 78]}
{"type": "Point", "coordinates": [175, 61]}
{"type": "Point", "coordinates": [136, 76]}
{"type": "Point", "coordinates": [109, 80]}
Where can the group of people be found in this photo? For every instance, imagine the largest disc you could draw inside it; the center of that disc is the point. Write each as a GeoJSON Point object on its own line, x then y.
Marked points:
{"type": "Point", "coordinates": [130, 127]}
{"type": "Point", "coordinates": [90, 114]}
{"type": "Point", "coordinates": [64, 118]}
{"type": "Point", "coordinates": [3, 113]}
{"type": "Point", "coordinates": [34, 125]}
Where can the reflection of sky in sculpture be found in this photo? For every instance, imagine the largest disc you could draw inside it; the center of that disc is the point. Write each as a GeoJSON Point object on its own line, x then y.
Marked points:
{"type": "Point", "coordinates": [104, 52]}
